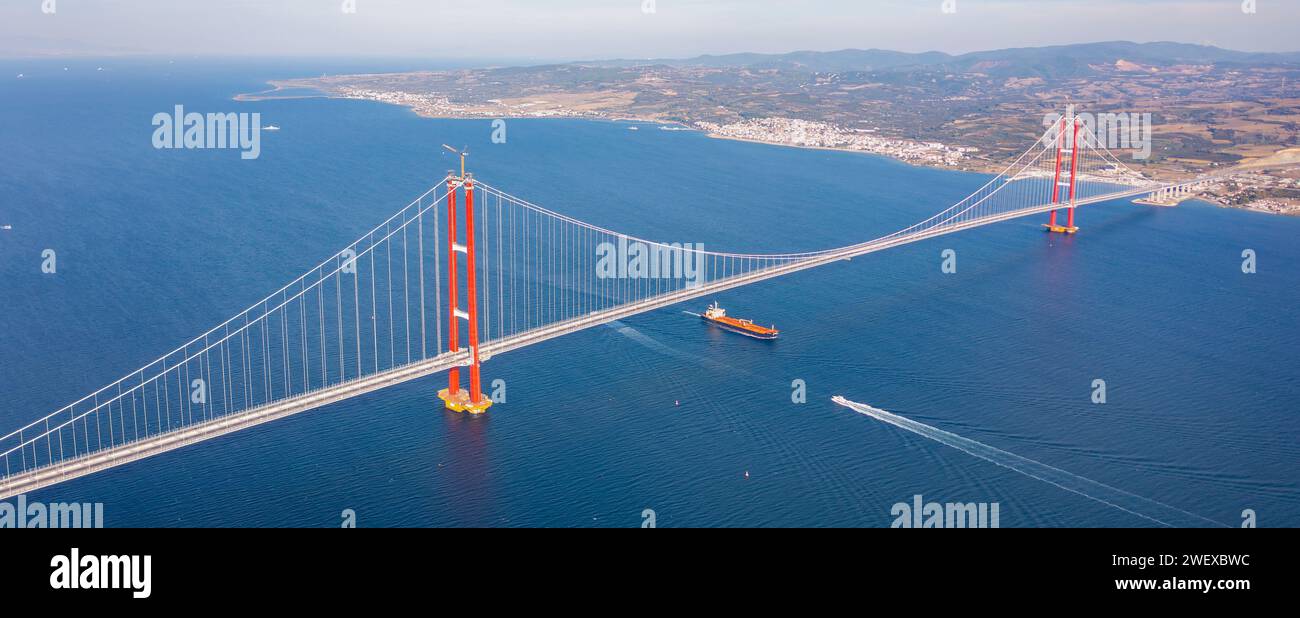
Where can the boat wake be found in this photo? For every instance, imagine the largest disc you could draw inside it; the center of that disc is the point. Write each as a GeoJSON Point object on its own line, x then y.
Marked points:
{"type": "Point", "coordinates": [1134, 504]}
{"type": "Point", "coordinates": [647, 341]}
{"type": "Point", "coordinates": [667, 350]}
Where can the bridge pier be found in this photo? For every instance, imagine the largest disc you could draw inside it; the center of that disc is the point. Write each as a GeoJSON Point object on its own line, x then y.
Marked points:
{"type": "Point", "coordinates": [1172, 195]}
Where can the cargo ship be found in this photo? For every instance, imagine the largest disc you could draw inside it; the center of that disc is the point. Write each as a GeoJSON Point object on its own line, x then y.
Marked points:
{"type": "Point", "coordinates": [717, 315]}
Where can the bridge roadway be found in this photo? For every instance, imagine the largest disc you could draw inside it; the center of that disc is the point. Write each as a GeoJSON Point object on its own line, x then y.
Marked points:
{"type": "Point", "coordinates": [71, 468]}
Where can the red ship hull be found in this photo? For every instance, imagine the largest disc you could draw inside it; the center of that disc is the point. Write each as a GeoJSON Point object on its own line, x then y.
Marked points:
{"type": "Point", "coordinates": [743, 328]}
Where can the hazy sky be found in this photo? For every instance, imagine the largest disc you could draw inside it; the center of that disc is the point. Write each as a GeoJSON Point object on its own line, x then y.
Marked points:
{"type": "Point", "coordinates": [590, 29]}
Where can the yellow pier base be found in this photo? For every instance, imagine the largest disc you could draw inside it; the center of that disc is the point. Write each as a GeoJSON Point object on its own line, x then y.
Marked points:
{"type": "Point", "coordinates": [1060, 229]}
{"type": "Point", "coordinates": [460, 402]}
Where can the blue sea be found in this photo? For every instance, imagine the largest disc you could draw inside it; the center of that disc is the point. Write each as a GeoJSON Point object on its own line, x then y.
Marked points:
{"type": "Point", "coordinates": [658, 411]}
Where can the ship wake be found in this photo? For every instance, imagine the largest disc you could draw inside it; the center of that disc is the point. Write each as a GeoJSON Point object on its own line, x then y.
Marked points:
{"type": "Point", "coordinates": [1146, 508]}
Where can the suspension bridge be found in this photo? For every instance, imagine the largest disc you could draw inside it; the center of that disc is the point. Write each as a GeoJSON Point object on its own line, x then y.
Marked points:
{"type": "Point", "coordinates": [466, 259]}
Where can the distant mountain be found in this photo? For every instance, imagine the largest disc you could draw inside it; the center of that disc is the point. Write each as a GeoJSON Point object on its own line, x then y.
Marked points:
{"type": "Point", "coordinates": [1071, 60]}
{"type": "Point", "coordinates": [1052, 61]}
{"type": "Point", "coordinates": [823, 62]}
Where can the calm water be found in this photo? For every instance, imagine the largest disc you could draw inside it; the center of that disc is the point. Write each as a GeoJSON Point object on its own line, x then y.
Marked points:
{"type": "Point", "coordinates": [157, 246]}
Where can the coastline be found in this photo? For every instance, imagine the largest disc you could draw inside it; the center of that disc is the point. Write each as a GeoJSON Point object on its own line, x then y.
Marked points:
{"type": "Point", "coordinates": [983, 167]}
{"type": "Point", "coordinates": [976, 165]}
{"type": "Point", "coordinates": [979, 166]}
{"type": "Point", "coordinates": [265, 95]}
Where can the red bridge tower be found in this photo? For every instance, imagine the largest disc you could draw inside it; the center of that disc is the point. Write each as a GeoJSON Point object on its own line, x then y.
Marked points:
{"type": "Point", "coordinates": [454, 396]}
{"type": "Point", "coordinates": [1057, 183]}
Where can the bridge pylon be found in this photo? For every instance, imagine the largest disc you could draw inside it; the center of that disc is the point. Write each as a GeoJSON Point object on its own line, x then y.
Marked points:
{"type": "Point", "coordinates": [454, 397]}
{"type": "Point", "coordinates": [1073, 151]}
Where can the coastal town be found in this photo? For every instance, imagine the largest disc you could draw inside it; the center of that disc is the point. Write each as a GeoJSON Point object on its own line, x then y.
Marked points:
{"type": "Point", "coordinates": [783, 131]}
{"type": "Point", "coordinates": [1276, 193]}
{"type": "Point", "coordinates": [811, 134]}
